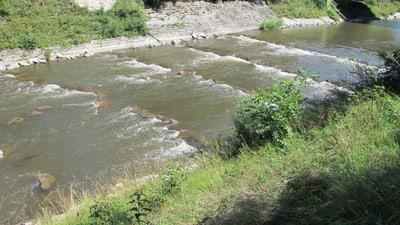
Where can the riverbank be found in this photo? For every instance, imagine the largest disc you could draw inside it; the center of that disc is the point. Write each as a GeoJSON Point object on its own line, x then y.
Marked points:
{"type": "Point", "coordinates": [174, 24]}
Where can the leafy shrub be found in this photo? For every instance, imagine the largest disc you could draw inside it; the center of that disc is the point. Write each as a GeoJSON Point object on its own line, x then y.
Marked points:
{"type": "Point", "coordinates": [271, 24]}
{"type": "Point", "coordinates": [267, 115]}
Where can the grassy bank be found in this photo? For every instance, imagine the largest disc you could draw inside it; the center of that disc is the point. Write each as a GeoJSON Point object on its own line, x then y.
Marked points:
{"type": "Point", "coordinates": [383, 7]}
{"type": "Point", "coordinates": [346, 172]}
{"type": "Point", "coordinates": [38, 24]}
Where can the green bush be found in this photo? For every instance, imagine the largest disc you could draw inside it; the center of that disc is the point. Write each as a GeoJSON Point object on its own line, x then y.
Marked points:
{"type": "Point", "coordinates": [5, 7]}
{"type": "Point", "coordinates": [28, 42]}
{"type": "Point", "coordinates": [268, 115]}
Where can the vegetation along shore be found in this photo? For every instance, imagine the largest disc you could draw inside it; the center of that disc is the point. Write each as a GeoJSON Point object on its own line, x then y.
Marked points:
{"type": "Point", "coordinates": [283, 164]}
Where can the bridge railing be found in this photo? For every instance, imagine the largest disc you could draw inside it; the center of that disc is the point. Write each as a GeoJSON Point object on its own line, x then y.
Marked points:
{"type": "Point", "coordinates": [334, 5]}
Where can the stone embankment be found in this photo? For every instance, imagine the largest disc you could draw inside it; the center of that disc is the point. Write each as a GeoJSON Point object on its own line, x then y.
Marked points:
{"type": "Point", "coordinates": [171, 24]}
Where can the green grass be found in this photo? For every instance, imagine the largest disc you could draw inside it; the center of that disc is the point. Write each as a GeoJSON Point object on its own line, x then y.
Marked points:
{"type": "Point", "coordinates": [344, 173]}
{"type": "Point", "coordinates": [44, 23]}
{"type": "Point", "coordinates": [299, 8]}
{"type": "Point", "coordinates": [383, 7]}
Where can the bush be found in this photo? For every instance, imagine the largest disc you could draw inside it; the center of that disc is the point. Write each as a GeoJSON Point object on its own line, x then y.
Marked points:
{"type": "Point", "coordinates": [28, 42]}
{"type": "Point", "coordinates": [268, 115]}
{"type": "Point", "coordinates": [5, 7]}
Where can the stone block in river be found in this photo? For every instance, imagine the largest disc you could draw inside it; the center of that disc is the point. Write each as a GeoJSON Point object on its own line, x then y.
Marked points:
{"type": "Point", "coordinates": [36, 113]}
{"type": "Point", "coordinates": [46, 180]}
{"type": "Point", "coordinates": [14, 120]}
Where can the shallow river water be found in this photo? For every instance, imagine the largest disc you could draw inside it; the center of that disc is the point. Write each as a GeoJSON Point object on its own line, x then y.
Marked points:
{"type": "Point", "coordinates": [87, 118]}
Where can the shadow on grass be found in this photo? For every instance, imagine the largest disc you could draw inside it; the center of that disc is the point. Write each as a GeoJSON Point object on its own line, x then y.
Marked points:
{"type": "Point", "coordinates": [370, 198]}
{"type": "Point", "coordinates": [246, 211]}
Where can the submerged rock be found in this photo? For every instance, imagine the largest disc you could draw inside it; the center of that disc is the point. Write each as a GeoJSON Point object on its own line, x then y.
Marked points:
{"type": "Point", "coordinates": [36, 113]}
{"type": "Point", "coordinates": [102, 103]}
{"type": "Point", "coordinates": [14, 120]}
{"type": "Point", "coordinates": [136, 109]}
{"type": "Point", "coordinates": [43, 107]}
{"type": "Point", "coordinates": [46, 180]}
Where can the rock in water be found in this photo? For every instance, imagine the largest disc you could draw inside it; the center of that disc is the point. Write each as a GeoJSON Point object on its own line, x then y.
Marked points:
{"type": "Point", "coordinates": [46, 180]}
{"type": "Point", "coordinates": [14, 120]}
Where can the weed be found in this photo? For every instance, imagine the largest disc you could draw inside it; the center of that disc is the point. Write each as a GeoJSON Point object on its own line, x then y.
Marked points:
{"type": "Point", "coordinates": [47, 54]}
{"type": "Point", "coordinates": [173, 179]}
{"type": "Point", "coordinates": [271, 24]}
{"type": "Point", "coordinates": [140, 207]}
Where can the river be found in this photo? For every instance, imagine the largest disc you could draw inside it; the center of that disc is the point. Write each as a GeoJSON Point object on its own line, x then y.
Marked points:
{"type": "Point", "coordinates": [87, 118]}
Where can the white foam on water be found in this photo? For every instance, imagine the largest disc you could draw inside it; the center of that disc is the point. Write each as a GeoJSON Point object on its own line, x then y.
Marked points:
{"type": "Point", "coordinates": [213, 84]}
{"type": "Point", "coordinates": [136, 64]}
{"type": "Point", "coordinates": [234, 59]}
{"type": "Point", "coordinates": [9, 76]}
{"type": "Point", "coordinates": [1, 154]}
{"type": "Point", "coordinates": [291, 51]}
{"type": "Point", "coordinates": [178, 148]}
{"type": "Point", "coordinates": [135, 79]}
{"type": "Point", "coordinates": [50, 88]}
{"type": "Point", "coordinates": [55, 91]}
{"type": "Point", "coordinates": [278, 72]}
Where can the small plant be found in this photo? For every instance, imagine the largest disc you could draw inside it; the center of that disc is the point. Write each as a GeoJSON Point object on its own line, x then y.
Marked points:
{"type": "Point", "coordinates": [47, 54]}
{"type": "Point", "coordinates": [271, 24]}
{"type": "Point", "coordinates": [173, 179]}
